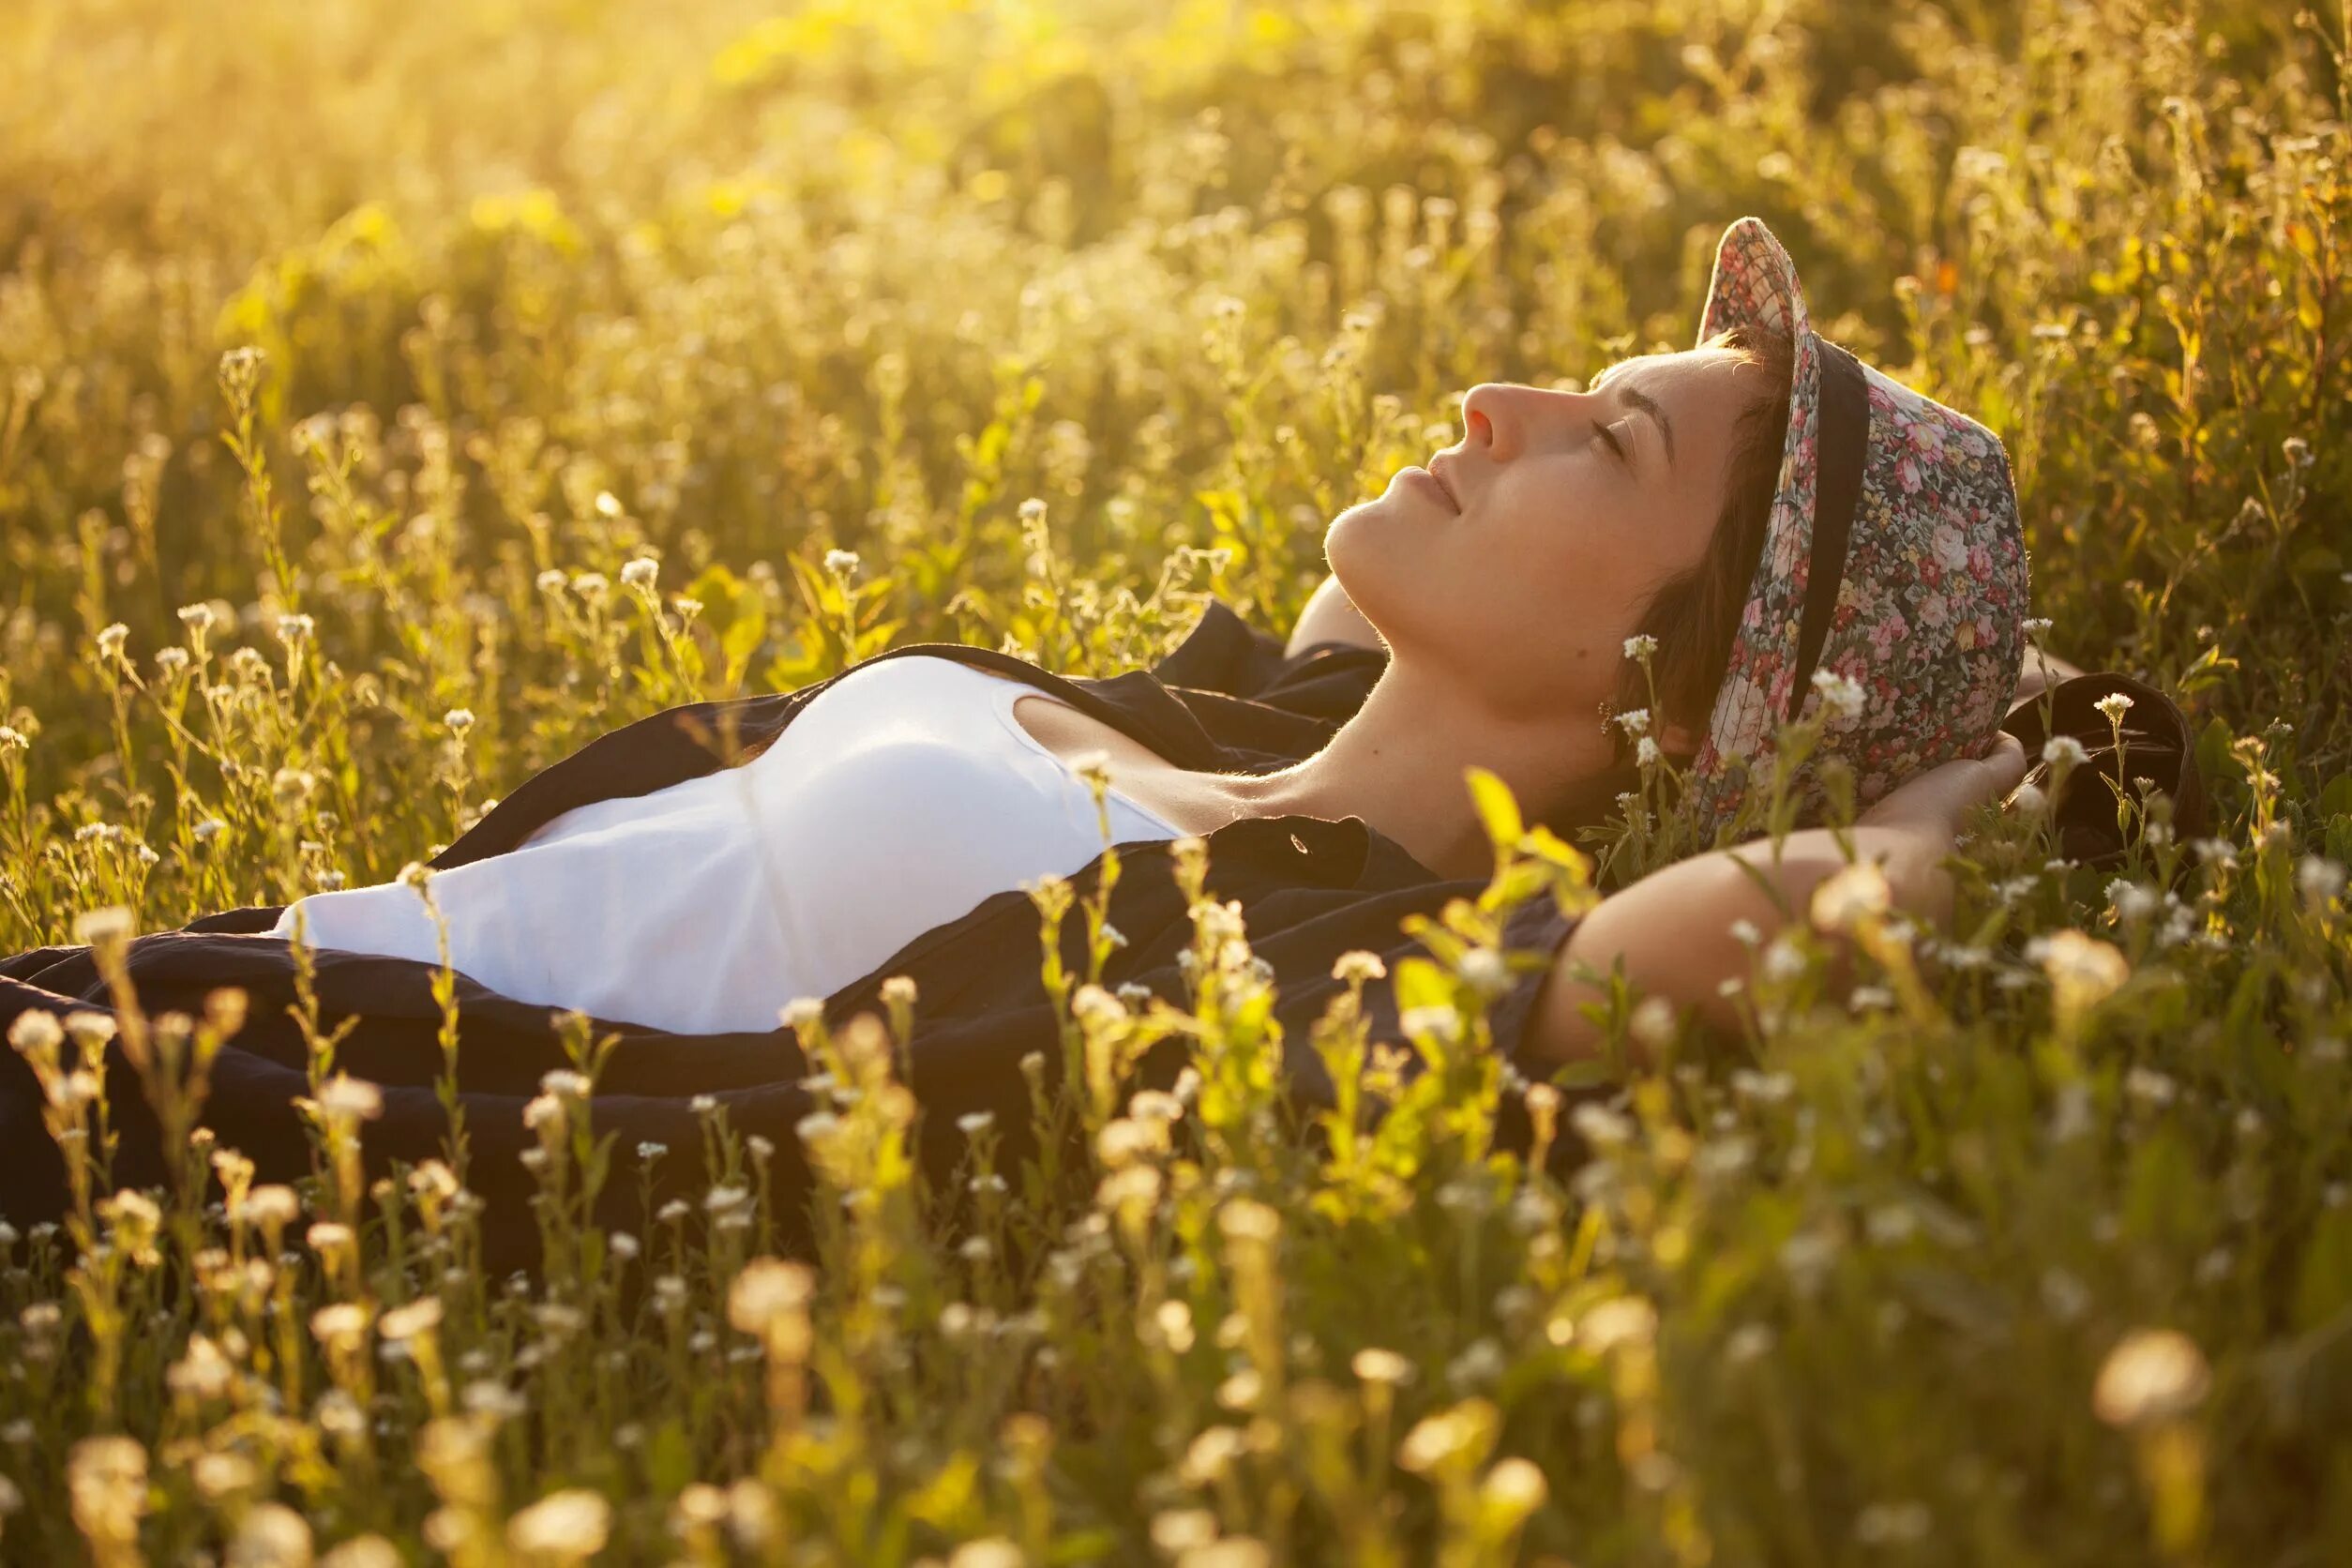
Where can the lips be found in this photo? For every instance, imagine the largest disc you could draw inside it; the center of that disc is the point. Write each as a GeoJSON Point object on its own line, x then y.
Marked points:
{"type": "Point", "coordinates": [1421, 479]}
{"type": "Point", "coordinates": [1438, 473]}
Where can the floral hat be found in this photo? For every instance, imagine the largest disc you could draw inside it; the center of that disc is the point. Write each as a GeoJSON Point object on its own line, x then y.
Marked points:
{"type": "Point", "coordinates": [1890, 591]}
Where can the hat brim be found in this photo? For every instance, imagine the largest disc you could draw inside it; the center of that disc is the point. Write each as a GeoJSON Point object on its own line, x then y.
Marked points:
{"type": "Point", "coordinates": [1754, 283]}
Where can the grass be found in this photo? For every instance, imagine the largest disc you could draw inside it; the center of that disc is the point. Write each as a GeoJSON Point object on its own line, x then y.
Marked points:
{"type": "Point", "coordinates": [357, 356]}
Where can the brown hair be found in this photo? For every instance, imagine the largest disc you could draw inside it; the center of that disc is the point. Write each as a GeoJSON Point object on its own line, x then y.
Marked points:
{"type": "Point", "coordinates": [1695, 614]}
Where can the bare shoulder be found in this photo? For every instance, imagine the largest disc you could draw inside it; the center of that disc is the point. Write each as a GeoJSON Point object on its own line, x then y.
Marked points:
{"type": "Point", "coordinates": [1331, 616]}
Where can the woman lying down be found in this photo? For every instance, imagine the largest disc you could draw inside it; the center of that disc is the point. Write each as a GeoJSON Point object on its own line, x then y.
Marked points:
{"type": "Point", "coordinates": [1762, 507]}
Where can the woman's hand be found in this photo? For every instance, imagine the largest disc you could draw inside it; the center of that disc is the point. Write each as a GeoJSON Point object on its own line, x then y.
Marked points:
{"type": "Point", "coordinates": [1920, 818]}
{"type": "Point", "coordinates": [1942, 795]}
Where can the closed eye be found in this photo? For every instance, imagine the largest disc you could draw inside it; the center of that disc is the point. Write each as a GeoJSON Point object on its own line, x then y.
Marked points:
{"type": "Point", "coordinates": [1616, 444]}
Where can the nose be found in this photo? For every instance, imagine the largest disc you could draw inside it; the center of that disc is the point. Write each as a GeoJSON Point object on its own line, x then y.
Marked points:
{"type": "Point", "coordinates": [1500, 417]}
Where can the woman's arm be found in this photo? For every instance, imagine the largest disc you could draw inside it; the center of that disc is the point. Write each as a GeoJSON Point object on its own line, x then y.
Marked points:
{"type": "Point", "coordinates": [1331, 616]}
{"type": "Point", "coordinates": [1673, 927]}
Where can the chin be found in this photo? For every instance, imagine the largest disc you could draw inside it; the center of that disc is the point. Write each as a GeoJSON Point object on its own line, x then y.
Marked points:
{"type": "Point", "coordinates": [1372, 550]}
{"type": "Point", "coordinates": [1352, 544]}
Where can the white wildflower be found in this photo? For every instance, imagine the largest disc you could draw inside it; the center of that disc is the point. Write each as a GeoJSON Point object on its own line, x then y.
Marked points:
{"type": "Point", "coordinates": [572, 1524]}
{"type": "Point", "coordinates": [2134, 901]}
{"type": "Point", "coordinates": [98, 927]}
{"type": "Point", "coordinates": [2153, 1375]}
{"type": "Point", "coordinates": [1600, 1126]}
{"type": "Point", "coordinates": [407, 1321]}
{"type": "Point", "coordinates": [1440, 1021]}
{"type": "Point", "coordinates": [345, 1095]}
{"type": "Point", "coordinates": [1841, 696]}
{"type": "Point", "coordinates": [1374, 1364]}
{"type": "Point", "coordinates": [1620, 1320]}
{"type": "Point", "coordinates": [768, 1291]}
{"type": "Point", "coordinates": [1485, 970]}
{"type": "Point", "coordinates": [2082, 969]}
{"type": "Point", "coordinates": [1653, 1022]}
{"type": "Point", "coordinates": [2319, 878]}
{"type": "Point", "coordinates": [1855, 893]}
{"type": "Point", "coordinates": [566, 1081]}
{"type": "Point", "coordinates": [1782, 960]}
{"type": "Point", "coordinates": [2150, 1087]}
{"type": "Point", "coordinates": [1764, 1088]}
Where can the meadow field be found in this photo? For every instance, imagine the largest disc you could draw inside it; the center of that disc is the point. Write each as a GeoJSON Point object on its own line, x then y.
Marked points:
{"type": "Point", "coordinates": [395, 397]}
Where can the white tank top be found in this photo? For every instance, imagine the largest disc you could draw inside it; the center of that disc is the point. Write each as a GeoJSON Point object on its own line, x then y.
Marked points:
{"type": "Point", "coordinates": [902, 796]}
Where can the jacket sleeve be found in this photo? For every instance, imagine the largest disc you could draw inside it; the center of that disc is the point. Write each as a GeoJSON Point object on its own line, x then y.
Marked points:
{"type": "Point", "coordinates": [1536, 925]}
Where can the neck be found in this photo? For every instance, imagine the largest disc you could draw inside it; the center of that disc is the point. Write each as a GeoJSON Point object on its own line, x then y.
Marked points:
{"type": "Point", "coordinates": [1399, 763]}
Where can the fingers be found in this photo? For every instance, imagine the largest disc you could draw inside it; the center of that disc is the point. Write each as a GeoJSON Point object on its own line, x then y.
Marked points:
{"type": "Point", "coordinates": [1978, 780]}
{"type": "Point", "coordinates": [1942, 794]}
{"type": "Point", "coordinates": [2004, 765]}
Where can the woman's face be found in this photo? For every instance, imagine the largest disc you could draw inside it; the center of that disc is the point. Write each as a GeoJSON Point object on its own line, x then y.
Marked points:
{"type": "Point", "coordinates": [1523, 582]}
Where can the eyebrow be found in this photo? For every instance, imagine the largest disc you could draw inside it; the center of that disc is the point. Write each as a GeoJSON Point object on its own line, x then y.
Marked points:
{"type": "Point", "coordinates": [1649, 405]}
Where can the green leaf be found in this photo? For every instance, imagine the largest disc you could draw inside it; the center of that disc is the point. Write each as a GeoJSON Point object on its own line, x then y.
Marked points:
{"type": "Point", "coordinates": [1588, 1073]}
{"type": "Point", "coordinates": [669, 1458]}
{"type": "Point", "coordinates": [1421, 983]}
{"type": "Point", "coordinates": [1549, 847]}
{"type": "Point", "coordinates": [1085, 1545]}
{"type": "Point", "coordinates": [2213, 754]}
{"type": "Point", "coordinates": [1496, 807]}
{"type": "Point", "coordinates": [1523, 881]}
{"type": "Point", "coordinates": [2336, 799]}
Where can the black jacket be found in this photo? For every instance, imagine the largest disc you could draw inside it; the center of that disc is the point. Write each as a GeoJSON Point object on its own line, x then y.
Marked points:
{"type": "Point", "coordinates": [1227, 700]}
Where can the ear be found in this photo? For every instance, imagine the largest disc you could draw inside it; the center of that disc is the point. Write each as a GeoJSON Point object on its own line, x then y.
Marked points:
{"type": "Point", "coordinates": [1677, 738]}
